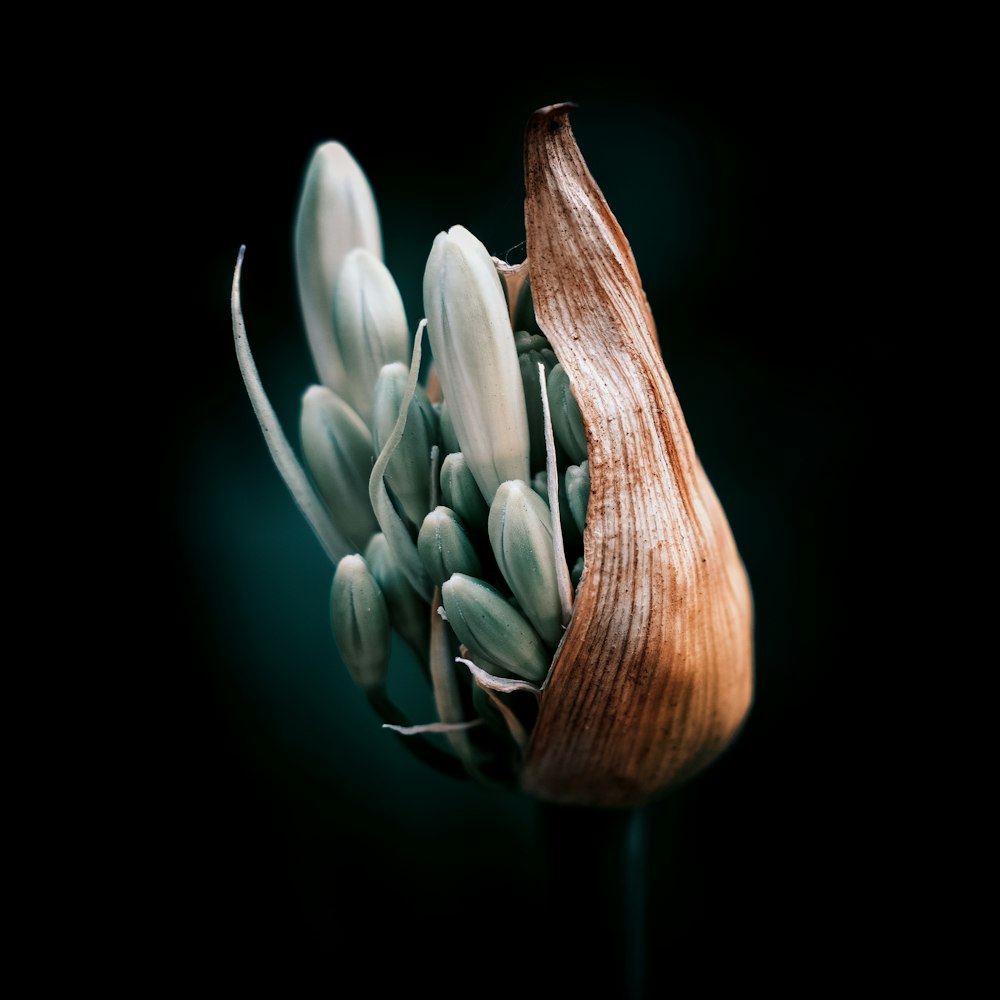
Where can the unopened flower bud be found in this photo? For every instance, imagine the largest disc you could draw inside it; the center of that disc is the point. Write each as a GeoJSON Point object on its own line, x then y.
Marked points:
{"type": "Point", "coordinates": [360, 621]}
{"type": "Point", "coordinates": [449, 441]}
{"type": "Point", "coordinates": [339, 452]}
{"type": "Point", "coordinates": [525, 341]}
{"type": "Point", "coordinates": [336, 213]}
{"type": "Point", "coordinates": [540, 484]}
{"type": "Point", "coordinates": [369, 327]}
{"type": "Point", "coordinates": [469, 329]}
{"type": "Point", "coordinates": [444, 546]}
{"type": "Point", "coordinates": [567, 425]}
{"type": "Point", "coordinates": [408, 611]}
{"type": "Point", "coordinates": [460, 491]}
{"type": "Point", "coordinates": [534, 350]}
{"type": "Point", "coordinates": [491, 627]}
{"type": "Point", "coordinates": [520, 528]}
{"type": "Point", "coordinates": [409, 470]}
{"type": "Point", "coordinates": [577, 480]}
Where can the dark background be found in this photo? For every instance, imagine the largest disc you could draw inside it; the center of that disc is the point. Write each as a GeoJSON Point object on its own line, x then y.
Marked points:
{"type": "Point", "coordinates": [264, 829]}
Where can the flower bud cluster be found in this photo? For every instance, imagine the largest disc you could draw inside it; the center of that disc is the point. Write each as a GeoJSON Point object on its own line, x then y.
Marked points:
{"type": "Point", "coordinates": [458, 500]}
{"type": "Point", "coordinates": [468, 558]}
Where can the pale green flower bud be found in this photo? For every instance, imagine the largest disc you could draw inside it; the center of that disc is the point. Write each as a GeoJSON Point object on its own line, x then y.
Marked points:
{"type": "Point", "coordinates": [360, 621]}
{"type": "Point", "coordinates": [444, 546]}
{"type": "Point", "coordinates": [408, 473]}
{"type": "Point", "coordinates": [532, 350]}
{"type": "Point", "coordinates": [339, 452]}
{"type": "Point", "coordinates": [369, 327]}
{"type": "Point", "coordinates": [446, 429]}
{"type": "Point", "coordinates": [520, 529]}
{"type": "Point", "coordinates": [524, 310]}
{"type": "Point", "coordinates": [336, 213]}
{"type": "Point", "coordinates": [485, 621]}
{"type": "Point", "coordinates": [540, 484]}
{"type": "Point", "coordinates": [525, 341]}
{"type": "Point", "coordinates": [408, 611]}
{"type": "Point", "coordinates": [567, 424]}
{"type": "Point", "coordinates": [469, 329]}
{"type": "Point", "coordinates": [461, 493]}
{"type": "Point", "coordinates": [578, 492]}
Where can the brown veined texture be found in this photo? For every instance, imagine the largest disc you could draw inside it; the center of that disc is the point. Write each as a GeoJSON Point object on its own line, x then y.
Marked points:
{"type": "Point", "coordinates": [654, 676]}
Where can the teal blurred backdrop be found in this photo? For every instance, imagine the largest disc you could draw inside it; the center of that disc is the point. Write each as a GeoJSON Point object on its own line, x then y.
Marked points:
{"type": "Point", "coordinates": [284, 836]}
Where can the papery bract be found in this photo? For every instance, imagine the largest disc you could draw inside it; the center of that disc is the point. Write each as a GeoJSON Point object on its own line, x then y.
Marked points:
{"type": "Point", "coordinates": [654, 676]}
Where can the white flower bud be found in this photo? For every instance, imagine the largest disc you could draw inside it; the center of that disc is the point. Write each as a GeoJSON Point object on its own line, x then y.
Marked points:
{"type": "Point", "coordinates": [369, 327]}
{"type": "Point", "coordinates": [469, 329]}
{"type": "Point", "coordinates": [336, 213]}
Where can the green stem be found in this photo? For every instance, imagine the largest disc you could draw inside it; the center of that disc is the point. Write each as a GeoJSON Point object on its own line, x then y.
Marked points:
{"type": "Point", "coordinates": [596, 863]}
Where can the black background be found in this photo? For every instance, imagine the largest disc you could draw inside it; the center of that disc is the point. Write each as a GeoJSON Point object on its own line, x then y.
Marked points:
{"type": "Point", "coordinates": [255, 825]}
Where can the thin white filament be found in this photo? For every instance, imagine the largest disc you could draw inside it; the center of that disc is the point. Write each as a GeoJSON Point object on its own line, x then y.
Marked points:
{"type": "Point", "coordinates": [433, 727]}
{"type": "Point", "coordinates": [506, 685]}
{"type": "Point", "coordinates": [281, 451]}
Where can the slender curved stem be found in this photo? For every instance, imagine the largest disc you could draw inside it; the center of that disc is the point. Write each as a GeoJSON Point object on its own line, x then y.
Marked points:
{"type": "Point", "coordinates": [596, 863]}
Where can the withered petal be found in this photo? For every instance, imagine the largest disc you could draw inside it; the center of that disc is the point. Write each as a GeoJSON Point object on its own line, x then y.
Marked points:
{"type": "Point", "coordinates": [654, 676]}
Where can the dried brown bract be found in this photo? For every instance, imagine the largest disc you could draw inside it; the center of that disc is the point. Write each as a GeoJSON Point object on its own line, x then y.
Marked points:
{"type": "Point", "coordinates": [654, 676]}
